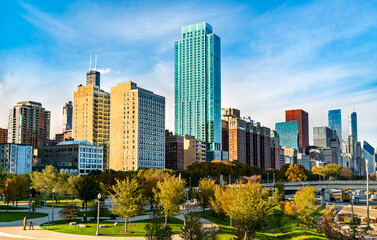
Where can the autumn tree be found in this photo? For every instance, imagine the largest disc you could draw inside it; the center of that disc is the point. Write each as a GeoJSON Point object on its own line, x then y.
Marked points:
{"type": "Point", "coordinates": [306, 208]}
{"type": "Point", "coordinates": [69, 213]}
{"type": "Point", "coordinates": [150, 183]}
{"type": "Point", "coordinates": [16, 189]}
{"type": "Point", "coordinates": [332, 170]}
{"type": "Point", "coordinates": [170, 195]}
{"type": "Point", "coordinates": [319, 170]}
{"type": "Point", "coordinates": [87, 187]}
{"type": "Point", "coordinates": [48, 177]}
{"type": "Point", "coordinates": [346, 173]}
{"type": "Point", "coordinates": [296, 173]}
{"type": "Point", "coordinates": [290, 209]}
{"type": "Point", "coordinates": [205, 193]}
{"type": "Point", "coordinates": [127, 199]}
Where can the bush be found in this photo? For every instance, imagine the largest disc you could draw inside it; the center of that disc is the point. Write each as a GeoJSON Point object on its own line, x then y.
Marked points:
{"type": "Point", "coordinates": [156, 230]}
{"type": "Point", "coordinates": [69, 213]}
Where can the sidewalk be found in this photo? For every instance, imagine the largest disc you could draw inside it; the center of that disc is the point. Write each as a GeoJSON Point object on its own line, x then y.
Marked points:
{"type": "Point", "coordinates": [14, 229]}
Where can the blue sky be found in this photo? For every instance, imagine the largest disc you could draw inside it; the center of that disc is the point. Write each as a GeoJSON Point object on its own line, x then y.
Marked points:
{"type": "Point", "coordinates": [276, 55]}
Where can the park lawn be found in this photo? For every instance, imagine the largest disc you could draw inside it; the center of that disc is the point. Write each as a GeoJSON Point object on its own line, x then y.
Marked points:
{"type": "Point", "coordinates": [11, 207]}
{"type": "Point", "coordinates": [64, 203]}
{"type": "Point", "coordinates": [15, 216]}
{"type": "Point", "coordinates": [280, 227]}
{"type": "Point", "coordinates": [137, 227]}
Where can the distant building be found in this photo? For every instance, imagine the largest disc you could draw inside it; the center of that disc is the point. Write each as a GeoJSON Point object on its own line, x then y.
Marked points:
{"type": "Point", "coordinates": [198, 87]}
{"type": "Point", "coordinates": [16, 158]}
{"type": "Point", "coordinates": [29, 123]}
{"type": "Point", "coordinates": [290, 155]}
{"type": "Point", "coordinates": [91, 114]}
{"type": "Point", "coordinates": [352, 121]}
{"type": "Point", "coordinates": [3, 135]}
{"type": "Point", "coordinates": [302, 118]}
{"type": "Point", "coordinates": [65, 136]}
{"type": "Point", "coordinates": [277, 156]}
{"type": "Point", "coordinates": [322, 136]}
{"type": "Point", "coordinates": [137, 128]}
{"type": "Point", "coordinates": [335, 122]}
{"type": "Point", "coordinates": [173, 151]}
{"type": "Point", "coordinates": [304, 160]}
{"type": "Point", "coordinates": [67, 116]}
{"type": "Point", "coordinates": [194, 150]}
{"type": "Point", "coordinates": [289, 134]}
{"type": "Point", "coordinates": [368, 154]}
{"type": "Point", "coordinates": [72, 157]}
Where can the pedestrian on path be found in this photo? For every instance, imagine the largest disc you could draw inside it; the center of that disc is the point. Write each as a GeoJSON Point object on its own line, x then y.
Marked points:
{"type": "Point", "coordinates": [25, 222]}
{"type": "Point", "coordinates": [31, 225]}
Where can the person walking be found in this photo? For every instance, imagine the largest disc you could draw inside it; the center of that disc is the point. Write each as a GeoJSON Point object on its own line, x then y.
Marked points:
{"type": "Point", "coordinates": [25, 222]}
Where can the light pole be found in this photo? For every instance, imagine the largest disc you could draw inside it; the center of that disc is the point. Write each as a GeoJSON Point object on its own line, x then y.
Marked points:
{"type": "Point", "coordinates": [52, 211]}
{"type": "Point", "coordinates": [45, 195]}
{"type": "Point", "coordinates": [230, 180]}
{"type": "Point", "coordinates": [366, 163]}
{"type": "Point", "coordinates": [30, 199]}
{"type": "Point", "coordinates": [190, 182]}
{"type": "Point", "coordinates": [273, 177]}
{"type": "Point", "coordinates": [99, 198]}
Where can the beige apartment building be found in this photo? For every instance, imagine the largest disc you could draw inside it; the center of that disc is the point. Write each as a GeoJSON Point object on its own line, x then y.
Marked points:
{"type": "Point", "coordinates": [91, 114]}
{"type": "Point", "coordinates": [137, 138]}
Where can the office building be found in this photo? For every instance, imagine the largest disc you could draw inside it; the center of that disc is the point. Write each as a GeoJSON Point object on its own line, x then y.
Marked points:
{"type": "Point", "coordinates": [368, 155]}
{"type": "Point", "coordinates": [91, 115]}
{"type": "Point", "coordinates": [16, 158]}
{"type": "Point", "coordinates": [3, 135]}
{"type": "Point", "coordinates": [71, 157]}
{"type": "Point", "coordinates": [302, 118]}
{"type": "Point", "coordinates": [304, 160]}
{"type": "Point", "coordinates": [352, 121]}
{"type": "Point", "coordinates": [137, 138]}
{"type": "Point", "coordinates": [173, 151]}
{"type": "Point", "coordinates": [67, 116]}
{"type": "Point", "coordinates": [29, 123]}
{"type": "Point", "coordinates": [194, 150]}
{"type": "Point", "coordinates": [289, 134]}
{"type": "Point", "coordinates": [198, 87]}
{"type": "Point", "coordinates": [290, 155]}
{"type": "Point", "coordinates": [322, 136]}
{"type": "Point", "coordinates": [65, 136]}
{"type": "Point", "coordinates": [335, 122]}
{"type": "Point", "coordinates": [277, 156]}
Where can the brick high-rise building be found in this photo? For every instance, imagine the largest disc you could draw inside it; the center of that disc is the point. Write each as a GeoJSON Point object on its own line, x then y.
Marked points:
{"type": "Point", "coordinates": [29, 123]}
{"type": "Point", "coordinates": [3, 135]}
{"type": "Point", "coordinates": [303, 122]}
{"type": "Point", "coordinates": [137, 138]}
{"type": "Point", "coordinates": [173, 151]}
{"type": "Point", "coordinates": [91, 115]}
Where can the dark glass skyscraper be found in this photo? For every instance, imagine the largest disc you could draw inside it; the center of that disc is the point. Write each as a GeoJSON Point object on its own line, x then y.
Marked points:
{"type": "Point", "coordinates": [335, 122]}
{"type": "Point", "coordinates": [352, 121]}
{"type": "Point", "coordinates": [198, 87]}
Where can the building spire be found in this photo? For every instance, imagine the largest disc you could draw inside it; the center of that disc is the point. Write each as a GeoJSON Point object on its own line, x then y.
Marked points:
{"type": "Point", "coordinates": [95, 59]}
{"type": "Point", "coordinates": [90, 62]}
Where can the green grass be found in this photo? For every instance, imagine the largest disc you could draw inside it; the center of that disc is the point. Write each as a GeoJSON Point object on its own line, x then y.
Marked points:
{"type": "Point", "coordinates": [10, 207]}
{"type": "Point", "coordinates": [280, 227]}
{"type": "Point", "coordinates": [111, 230]}
{"type": "Point", "coordinates": [14, 216]}
{"type": "Point", "coordinates": [64, 203]}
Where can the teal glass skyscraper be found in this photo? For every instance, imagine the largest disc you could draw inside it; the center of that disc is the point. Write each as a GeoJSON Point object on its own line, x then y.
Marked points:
{"type": "Point", "coordinates": [198, 87]}
{"type": "Point", "coordinates": [335, 122]}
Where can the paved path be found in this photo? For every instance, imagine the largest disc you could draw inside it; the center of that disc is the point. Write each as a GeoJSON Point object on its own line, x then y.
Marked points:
{"type": "Point", "coordinates": [13, 230]}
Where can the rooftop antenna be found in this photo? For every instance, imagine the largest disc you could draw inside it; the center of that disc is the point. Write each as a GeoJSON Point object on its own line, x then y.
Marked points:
{"type": "Point", "coordinates": [90, 62]}
{"type": "Point", "coordinates": [95, 63]}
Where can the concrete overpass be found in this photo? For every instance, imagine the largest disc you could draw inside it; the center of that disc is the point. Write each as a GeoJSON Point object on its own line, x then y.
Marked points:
{"type": "Point", "coordinates": [325, 186]}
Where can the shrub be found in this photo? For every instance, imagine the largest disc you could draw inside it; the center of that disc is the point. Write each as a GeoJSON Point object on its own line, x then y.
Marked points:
{"type": "Point", "coordinates": [69, 213]}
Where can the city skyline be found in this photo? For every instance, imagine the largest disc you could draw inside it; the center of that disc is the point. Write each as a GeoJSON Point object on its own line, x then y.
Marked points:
{"type": "Point", "coordinates": [54, 57]}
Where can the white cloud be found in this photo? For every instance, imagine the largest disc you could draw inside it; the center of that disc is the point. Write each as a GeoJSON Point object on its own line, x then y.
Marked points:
{"type": "Point", "coordinates": [104, 71]}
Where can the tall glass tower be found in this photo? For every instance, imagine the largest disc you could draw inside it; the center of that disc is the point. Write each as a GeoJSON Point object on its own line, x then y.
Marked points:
{"type": "Point", "coordinates": [352, 120]}
{"type": "Point", "coordinates": [198, 87]}
{"type": "Point", "coordinates": [335, 122]}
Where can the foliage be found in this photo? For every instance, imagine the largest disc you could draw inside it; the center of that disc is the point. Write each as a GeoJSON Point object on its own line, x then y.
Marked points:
{"type": "Point", "coordinates": [346, 173]}
{"type": "Point", "coordinates": [296, 173]}
{"type": "Point", "coordinates": [36, 200]}
{"type": "Point", "coordinates": [69, 213]}
{"type": "Point", "coordinates": [87, 187]}
{"type": "Point", "coordinates": [193, 229]}
{"type": "Point", "coordinates": [127, 199]}
{"type": "Point", "coordinates": [306, 208]}
{"type": "Point", "coordinates": [290, 208]}
{"type": "Point", "coordinates": [155, 230]}
{"type": "Point", "coordinates": [354, 225]}
{"type": "Point", "coordinates": [93, 211]}
{"type": "Point", "coordinates": [48, 177]}
{"type": "Point", "coordinates": [328, 225]}
{"type": "Point", "coordinates": [170, 196]}
{"type": "Point", "coordinates": [319, 170]}
{"type": "Point", "coordinates": [332, 170]}
{"type": "Point", "coordinates": [150, 181]}
{"type": "Point", "coordinates": [249, 205]}
{"type": "Point", "coordinates": [16, 189]}
{"type": "Point", "coordinates": [280, 187]}
{"type": "Point", "coordinates": [205, 193]}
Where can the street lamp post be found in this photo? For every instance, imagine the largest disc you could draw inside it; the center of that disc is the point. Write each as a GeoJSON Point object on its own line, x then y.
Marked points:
{"type": "Point", "coordinates": [52, 211]}
{"type": "Point", "coordinates": [45, 195]}
{"type": "Point", "coordinates": [190, 182]}
{"type": "Point", "coordinates": [99, 200]}
{"type": "Point", "coordinates": [30, 199]}
{"type": "Point", "coordinates": [230, 180]}
{"type": "Point", "coordinates": [366, 163]}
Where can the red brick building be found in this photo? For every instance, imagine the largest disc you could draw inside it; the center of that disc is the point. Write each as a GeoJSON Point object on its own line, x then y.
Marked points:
{"type": "Point", "coordinates": [3, 135]}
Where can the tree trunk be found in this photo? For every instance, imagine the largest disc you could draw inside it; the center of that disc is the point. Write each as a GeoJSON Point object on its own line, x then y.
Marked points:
{"type": "Point", "coordinates": [166, 220]}
{"type": "Point", "coordinates": [125, 224]}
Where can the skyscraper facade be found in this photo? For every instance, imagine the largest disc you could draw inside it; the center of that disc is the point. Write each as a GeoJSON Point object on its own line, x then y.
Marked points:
{"type": "Point", "coordinates": [368, 154]}
{"type": "Point", "coordinates": [16, 158]}
{"type": "Point", "coordinates": [67, 116]}
{"type": "Point", "coordinates": [322, 136]}
{"type": "Point", "coordinates": [3, 135]}
{"type": "Point", "coordinates": [137, 128]}
{"type": "Point", "coordinates": [302, 118]}
{"type": "Point", "coordinates": [91, 116]}
{"type": "Point", "coordinates": [289, 134]}
{"type": "Point", "coordinates": [352, 121]}
{"type": "Point", "coordinates": [198, 86]}
{"type": "Point", "coordinates": [335, 122]}
{"type": "Point", "coordinates": [29, 123]}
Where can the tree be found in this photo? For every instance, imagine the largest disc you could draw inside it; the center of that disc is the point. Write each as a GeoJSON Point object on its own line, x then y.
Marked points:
{"type": "Point", "coordinates": [306, 208]}
{"type": "Point", "coordinates": [155, 229]}
{"type": "Point", "coordinates": [249, 205]}
{"type": "Point", "coordinates": [170, 196]}
{"type": "Point", "coordinates": [193, 229]}
{"type": "Point", "coordinates": [16, 189]}
{"type": "Point", "coordinates": [319, 170]}
{"type": "Point", "coordinates": [332, 170]}
{"type": "Point", "coordinates": [279, 187]}
{"type": "Point", "coordinates": [48, 177]}
{"type": "Point", "coordinates": [346, 173]}
{"type": "Point", "coordinates": [290, 209]}
{"type": "Point", "coordinates": [205, 193]}
{"type": "Point", "coordinates": [150, 183]}
{"type": "Point", "coordinates": [69, 213]}
{"type": "Point", "coordinates": [87, 187]}
{"type": "Point", "coordinates": [296, 173]}
{"type": "Point", "coordinates": [127, 199]}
